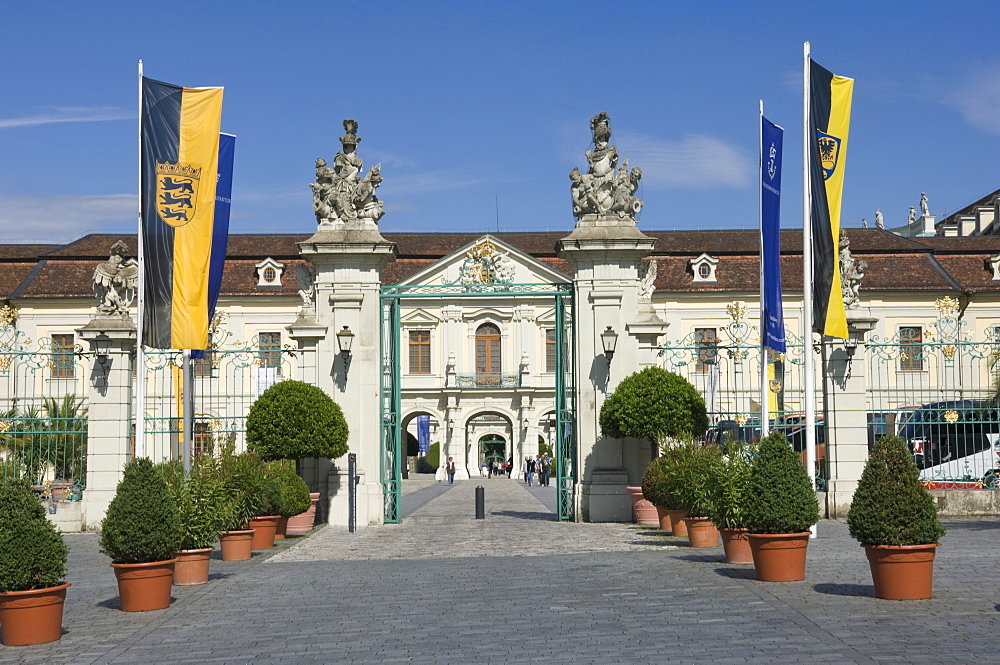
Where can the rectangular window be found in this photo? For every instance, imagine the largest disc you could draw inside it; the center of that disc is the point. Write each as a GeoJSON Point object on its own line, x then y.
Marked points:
{"type": "Point", "coordinates": [911, 350]}
{"type": "Point", "coordinates": [707, 349]}
{"type": "Point", "coordinates": [269, 351]}
{"type": "Point", "coordinates": [420, 352]}
{"type": "Point", "coordinates": [202, 438]}
{"type": "Point", "coordinates": [550, 350]}
{"type": "Point", "coordinates": [203, 366]}
{"type": "Point", "coordinates": [63, 362]}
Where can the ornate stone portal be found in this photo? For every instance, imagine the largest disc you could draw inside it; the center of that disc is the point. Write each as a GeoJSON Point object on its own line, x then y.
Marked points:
{"type": "Point", "coordinates": [605, 190]}
{"type": "Point", "coordinates": [340, 194]}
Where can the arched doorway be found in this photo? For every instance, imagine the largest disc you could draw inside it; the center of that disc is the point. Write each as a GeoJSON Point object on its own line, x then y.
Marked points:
{"type": "Point", "coordinates": [492, 448]}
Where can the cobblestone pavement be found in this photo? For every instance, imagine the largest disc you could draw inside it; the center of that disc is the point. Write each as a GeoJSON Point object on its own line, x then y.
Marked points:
{"type": "Point", "coordinates": [519, 587]}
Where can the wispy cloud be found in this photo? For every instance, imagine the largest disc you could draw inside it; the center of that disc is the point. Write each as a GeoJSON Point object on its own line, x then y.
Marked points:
{"type": "Point", "coordinates": [61, 218]}
{"type": "Point", "coordinates": [694, 161]}
{"type": "Point", "coordinates": [60, 114]}
{"type": "Point", "coordinates": [977, 96]}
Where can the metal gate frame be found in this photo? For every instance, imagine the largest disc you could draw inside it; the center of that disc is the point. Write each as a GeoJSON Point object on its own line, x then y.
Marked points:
{"type": "Point", "coordinates": [391, 297]}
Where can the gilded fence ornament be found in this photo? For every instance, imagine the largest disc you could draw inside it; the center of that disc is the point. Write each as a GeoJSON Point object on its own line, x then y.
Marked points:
{"type": "Point", "coordinates": [8, 315]}
{"type": "Point", "coordinates": [947, 306]}
{"type": "Point", "coordinates": [737, 310]}
{"type": "Point", "coordinates": [115, 282]}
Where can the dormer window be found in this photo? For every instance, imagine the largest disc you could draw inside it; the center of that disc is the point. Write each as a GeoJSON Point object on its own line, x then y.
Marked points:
{"type": "Point", "coordinates": [703, 268]}
{"type": "Point", "coordinates": [269, 272]}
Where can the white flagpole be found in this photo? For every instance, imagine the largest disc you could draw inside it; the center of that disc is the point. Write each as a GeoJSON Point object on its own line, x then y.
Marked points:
{"type": "Point", "coordinates": [764, 404]}
{"type": "Point", "coordinates": [140, 358]}
{"type": "Point", "coordinates": [807, 305]}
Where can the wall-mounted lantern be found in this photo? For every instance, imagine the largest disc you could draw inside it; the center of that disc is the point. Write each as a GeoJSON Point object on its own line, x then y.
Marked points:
{"type": "Point", "coordinates": [345, 340]}
{"type": "Point", "coordinates": [609, 340]}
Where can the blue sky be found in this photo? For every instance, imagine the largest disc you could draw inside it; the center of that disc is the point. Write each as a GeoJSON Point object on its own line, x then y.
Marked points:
{"type": "Point", "coordinates": [478, 111]}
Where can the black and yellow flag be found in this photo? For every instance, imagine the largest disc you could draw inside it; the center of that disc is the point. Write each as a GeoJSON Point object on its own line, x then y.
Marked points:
{"type": "Point", "coordinates": [829, 120]}
{"type": "Point", "coordinates": [180, 157]}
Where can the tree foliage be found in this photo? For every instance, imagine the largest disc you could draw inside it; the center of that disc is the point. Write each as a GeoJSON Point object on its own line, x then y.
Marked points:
{"type": "Point", "coordinates": [780, 496]}
{"type": "Point", "coordinates": [293, 493]}
{"type": "Point", "coordinates": [732, 477]}
{"type": "Point", "coordinates": [654, 404]}
{"type": "Point", "coordinates": [202, 501]}
{"type": "Point", "coordinates": [142, 524]}
{"type": "Point", "coordinates": [32, 551]}
{"type": "Point", "coordinates": [293, 420]}
{"type": "Point", "coordinates": [891, 506]}
{"type": "Point", "coordinates": [661, 481]}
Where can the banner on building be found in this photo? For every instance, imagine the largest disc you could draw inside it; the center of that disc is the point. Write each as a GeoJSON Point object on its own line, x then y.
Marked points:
{"type": "Point", "coordinates": [423, 434]}
{"type": "Point", "coordinates": [179, 146]}
{"type": "Point", "coordinates": [829, 121]}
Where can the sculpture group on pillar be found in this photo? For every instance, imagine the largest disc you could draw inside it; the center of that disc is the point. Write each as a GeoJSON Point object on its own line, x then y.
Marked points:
{"type": "Point", "coordinates": [340, 194]}
{"type": "Point", "coordinates": [606, 190]}
{"type": "Point", "coordinates": [115, 282]}
{"type": "Point", "coordinates": [852, 271]}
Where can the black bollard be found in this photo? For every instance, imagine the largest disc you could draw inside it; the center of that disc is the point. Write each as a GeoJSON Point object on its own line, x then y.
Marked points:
{"type": "Point", "coordinates": [480, 503]}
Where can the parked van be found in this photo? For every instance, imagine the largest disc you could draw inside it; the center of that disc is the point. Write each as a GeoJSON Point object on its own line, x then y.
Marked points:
{"type": "Point", "coordinates": [954, 439]}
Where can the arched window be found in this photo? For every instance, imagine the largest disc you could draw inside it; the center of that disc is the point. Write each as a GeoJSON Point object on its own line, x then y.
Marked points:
{"type": "Point", "coordinates": [488, 354]}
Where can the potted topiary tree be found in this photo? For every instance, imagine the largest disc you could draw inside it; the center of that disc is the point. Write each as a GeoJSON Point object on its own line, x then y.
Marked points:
{"type": "Point", "coordinates": [661, 486]}
{"type": "Point", "coordinates": [656, 405]}
{"type": "Point", "coordinates": [142, 532]}
{"type": "Point", "coordinates": [698, 494]}
{"type": "Point", "coordinates": [32, 569]}
{"type": "Point", "coordinates": [204, 507]}
{"type": "Point", "coordinates": [252, 494]}
{"type": "Point", "coordinates": [293, 494]}
{"type": "Point", "coordinates": [895, 519]}
{"type": "Point", "coordinates": [780, 510]}
{"type": "Point", "coordinates": [294, 420]}
{"type": "Point", "coordinates": [731, 478]}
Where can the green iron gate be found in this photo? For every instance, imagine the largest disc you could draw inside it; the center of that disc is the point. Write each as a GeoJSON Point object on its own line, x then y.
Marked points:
{"type": "Point", "coordinates": [936, 386]}
{"type": "Point", "coordinates": [392, 297]}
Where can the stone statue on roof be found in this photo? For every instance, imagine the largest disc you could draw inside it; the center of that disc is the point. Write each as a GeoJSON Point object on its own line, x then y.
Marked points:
{"type": "Point", "coordinates": [115, 282]}
{"type": "Point", "coordinates": [879, 219]}
{"type": "Point", "coordinates": [852, 271]}
{"type": "Point", "coordinates": [340, 194]}
{"type": "Point", "coordinates": [605, 191]}
{"type": "Point", "coordinates": [912, 217]}
{"type": "Point", "coordinates": [924, 210]}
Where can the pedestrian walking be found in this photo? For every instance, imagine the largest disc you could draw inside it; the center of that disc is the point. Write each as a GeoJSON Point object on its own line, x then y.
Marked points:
{"type": "Point", "coordinates": [449, 468]}
{"type": "Point", "coordinates": [530, 471]}
{"type": "Point", "coordinates": [510, 465]}
{"type": "Point", "coordinates": [545, 470]}
{"type": "Point", "coordinates": [524, 470]}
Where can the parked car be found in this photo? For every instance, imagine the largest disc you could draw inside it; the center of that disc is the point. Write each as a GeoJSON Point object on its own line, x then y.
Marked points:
{"type": "Point", "coordinates": [730, 430]}
{"type": "Point", "coordinates": [954, 439]}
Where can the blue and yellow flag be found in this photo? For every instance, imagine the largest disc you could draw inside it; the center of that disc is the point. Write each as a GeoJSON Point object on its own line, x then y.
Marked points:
{"type": "Point", "coordinates": [179, 146]}
{"type": "Point", "coordinates": [829, 121]}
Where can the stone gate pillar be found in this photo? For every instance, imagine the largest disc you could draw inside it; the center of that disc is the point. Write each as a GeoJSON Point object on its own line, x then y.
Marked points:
{"type": "Point", "coordinates": [348, 254]}
{"type": "Point", "coordinates": [847, 414]}
{"type": "Point", "coordinates": [109, 406]}
{"type": "Point", "coordinates": [605, 250]}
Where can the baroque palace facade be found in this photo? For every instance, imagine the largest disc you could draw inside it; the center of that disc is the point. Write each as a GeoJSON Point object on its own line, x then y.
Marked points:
{"type": "Point", "coordinates": [497, 338]}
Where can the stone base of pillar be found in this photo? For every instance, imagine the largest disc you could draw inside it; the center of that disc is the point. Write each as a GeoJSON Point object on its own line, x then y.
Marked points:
{"type": "Point", "coordinates": [370, 504]}
{"type": "Point", "coordinates": [838, 498]}
{"type": "Point", "coordinates": [604, 498]}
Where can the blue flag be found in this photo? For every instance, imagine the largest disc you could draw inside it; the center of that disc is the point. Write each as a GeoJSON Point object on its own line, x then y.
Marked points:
{"type": "Point", "coordinates": [770, 230]}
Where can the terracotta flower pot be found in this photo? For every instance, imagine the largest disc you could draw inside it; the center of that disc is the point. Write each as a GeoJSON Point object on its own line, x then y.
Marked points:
{"type": "Point", "coordinates": [236, 545]}
{"type": "Point", "coordinates": [281, 528]}
{"type": "Point", "coordinates": [701, 532]}
{"type": "Point", "coordinates": [32, 617]}
{"type": "Point", "coordinates": [263, 531]}
{"type": "Point", "coordinates": [902, 572]}
{"type": "Point", "coordinates": [677, 524]}
{"type": "Point", "coordinates": [303, 522]}
{"type": "Point", "coordinates": [663, 519]}
{"type": "Point", "coordinates": [143, 587]}
{"type": "Point", "coordinates": [779, 557]}
{"type": "Point", "coordinates": [192, 566]}
{"type": "Point", "coordinates": [645, 511]}
{"type": "Point", "coordinates": [736, 545]}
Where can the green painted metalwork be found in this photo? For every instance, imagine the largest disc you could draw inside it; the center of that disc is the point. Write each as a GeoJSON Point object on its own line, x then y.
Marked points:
{"type": "Point", "coordinates": [723, 363]}
{"type": "Point", "coordinates": [936, 386]}
{"type": "Point", "coordinates": [391, 298]}
{"type": "Point", "coordinates": [43, 412]}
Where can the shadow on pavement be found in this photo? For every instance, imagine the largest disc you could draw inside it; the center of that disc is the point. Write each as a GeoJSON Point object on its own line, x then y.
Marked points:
{"type": "Point", "coordinates": [846, 589]}
{"type": "Point", "coordinates": [547, 517]}
{"type": "Point", "coordinates": [737, 573]}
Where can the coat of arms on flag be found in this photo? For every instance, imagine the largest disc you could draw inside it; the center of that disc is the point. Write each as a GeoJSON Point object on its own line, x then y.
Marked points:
{"type": "Point", "coordinates": [829, 153]}
{"type": "Point", "coordinates": [176, 192]}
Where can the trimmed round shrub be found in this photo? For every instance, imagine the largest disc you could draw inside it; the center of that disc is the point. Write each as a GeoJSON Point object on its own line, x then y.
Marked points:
{"type": "Point", "coordinates": [293, 420]}
{"type": "Point", "coordinates": [32, 551]}
{"type": "Point", "coordinates": [293, 493]}
{"type": "Point", "coordinates": [654, 404]}
{"type": "Point", "coordinates": [891, 506]}
{"type": "Point", "coordinates": [202, 501]}
{"type": "Point", "coordinates": [142, 524]}
{"type": "Point", "coordinates": [780, 497]}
